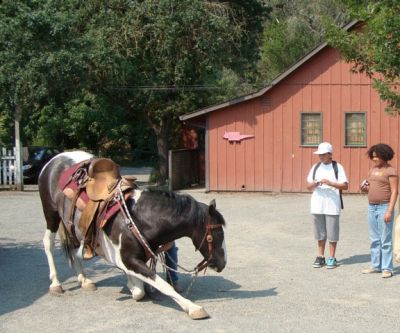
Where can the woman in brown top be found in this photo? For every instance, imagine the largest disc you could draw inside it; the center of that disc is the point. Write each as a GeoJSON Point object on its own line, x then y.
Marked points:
{"type": "Point", "coordinates": [382, 188]}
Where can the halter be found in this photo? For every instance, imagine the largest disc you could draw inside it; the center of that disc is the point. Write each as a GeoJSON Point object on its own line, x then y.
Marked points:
{"type": "Point", "coordinates": [207, 236]}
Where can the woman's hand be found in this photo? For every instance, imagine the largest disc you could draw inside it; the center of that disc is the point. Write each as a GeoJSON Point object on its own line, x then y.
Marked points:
{"type": "Point", "coordinates": [364, 187]}
{"type": "Point", "coordinates": [388, 216]}
{"type": "Point", "coordinates": [326, 182]}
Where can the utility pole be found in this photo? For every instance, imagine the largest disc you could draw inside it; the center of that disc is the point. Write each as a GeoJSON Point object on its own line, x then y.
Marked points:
{"type": "Point", "coordinates": [18, 161]}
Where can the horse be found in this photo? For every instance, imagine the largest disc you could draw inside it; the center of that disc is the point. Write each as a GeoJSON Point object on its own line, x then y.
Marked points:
{"type": "Point", "coordinates": [159, 217]}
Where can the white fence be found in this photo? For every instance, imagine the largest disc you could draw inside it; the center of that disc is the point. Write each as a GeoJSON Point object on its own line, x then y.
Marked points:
{"type": "Point", "coordinates": [8, 168]}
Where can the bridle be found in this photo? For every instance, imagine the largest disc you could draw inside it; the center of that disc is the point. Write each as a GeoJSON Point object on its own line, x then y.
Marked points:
{"type": "Point", "coordinates": [209, 238]}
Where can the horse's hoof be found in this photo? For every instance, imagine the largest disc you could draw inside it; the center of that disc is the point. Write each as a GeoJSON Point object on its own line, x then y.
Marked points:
{"type": "Point", "coordinates": [199, 314]}
{"type": "Point", "coordinates": [56, 290]}
{"type": "Point", "coordinates": [138, 294]}
{"type": "Point", "coordinates": [89, 286]}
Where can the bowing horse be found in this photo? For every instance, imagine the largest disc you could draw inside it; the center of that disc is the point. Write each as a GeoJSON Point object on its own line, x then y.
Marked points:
{"type": "Point", "coordinates": [98, 212]}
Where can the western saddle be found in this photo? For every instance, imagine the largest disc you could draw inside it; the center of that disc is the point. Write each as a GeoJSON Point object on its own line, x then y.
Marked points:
{"type": "Point", "coordinates": [92, 187]}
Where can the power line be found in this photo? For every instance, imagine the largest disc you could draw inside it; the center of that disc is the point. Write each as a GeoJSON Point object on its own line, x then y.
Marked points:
{"type": "Point", "coordinates": [166, 88]}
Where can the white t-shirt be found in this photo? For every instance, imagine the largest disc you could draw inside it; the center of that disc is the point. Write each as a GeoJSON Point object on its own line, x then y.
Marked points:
{"type": "Point", "coordinates": [325, 199]}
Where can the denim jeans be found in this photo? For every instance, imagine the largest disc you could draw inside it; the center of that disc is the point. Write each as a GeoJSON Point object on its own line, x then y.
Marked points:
{"type": "Point", "coordinates": [380, 234]}
{"type": "Point", "coordinates": [171, 260]}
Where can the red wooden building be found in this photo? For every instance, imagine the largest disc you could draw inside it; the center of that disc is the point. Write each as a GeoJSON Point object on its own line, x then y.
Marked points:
{"type": "Point", "coordinates": [317, 99]}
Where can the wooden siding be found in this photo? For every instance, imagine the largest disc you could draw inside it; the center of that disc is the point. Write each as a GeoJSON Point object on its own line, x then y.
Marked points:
{"type": "Point", "coordinates": [274, 159]}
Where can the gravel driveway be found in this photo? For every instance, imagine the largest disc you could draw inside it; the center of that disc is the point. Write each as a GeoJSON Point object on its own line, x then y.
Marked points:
{"type": "Point", "coordinates": [269, 284]}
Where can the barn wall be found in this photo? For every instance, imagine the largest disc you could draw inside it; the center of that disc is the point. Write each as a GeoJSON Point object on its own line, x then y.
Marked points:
{"type": "Point", "coordinates": [274, 159]}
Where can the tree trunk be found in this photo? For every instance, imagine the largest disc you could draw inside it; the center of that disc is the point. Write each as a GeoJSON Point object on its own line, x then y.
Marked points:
{"type": "Point", "coordinates": [162, 148]}
{"type": "Point", "coordinates": [162, 131]}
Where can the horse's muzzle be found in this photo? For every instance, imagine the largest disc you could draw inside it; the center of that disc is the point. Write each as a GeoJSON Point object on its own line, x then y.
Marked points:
{"type": "Point", "coordinates": [217, 263]}
{"type": "Point", "coordinates": [217, 268]}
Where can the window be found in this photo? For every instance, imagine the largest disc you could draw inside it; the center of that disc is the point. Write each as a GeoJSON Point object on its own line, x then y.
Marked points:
{"type": "Point", "coordinates": [311, 129]}
{"type": "Point", "coordinates": [355, 129]}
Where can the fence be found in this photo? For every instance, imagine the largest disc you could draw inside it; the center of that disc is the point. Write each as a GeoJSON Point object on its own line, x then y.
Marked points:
{"type": "Point", "coordinates": [184, 168]}
{"type": "Point", "coordinates": [8, 168]}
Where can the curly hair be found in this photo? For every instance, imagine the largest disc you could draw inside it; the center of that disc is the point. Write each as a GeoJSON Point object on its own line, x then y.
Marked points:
{"type": "Point", "coordinates": [381, 150]}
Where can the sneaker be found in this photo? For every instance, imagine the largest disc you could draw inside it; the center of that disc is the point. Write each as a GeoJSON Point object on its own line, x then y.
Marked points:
{"type": "Point", "coordinates": [319, 262]}
{"type": "Point", "coordinates": [387, 274]}
{"type": "Point", "coordinates": [370, 271]}
{"type": "Point", "coordinates": [331, 263]}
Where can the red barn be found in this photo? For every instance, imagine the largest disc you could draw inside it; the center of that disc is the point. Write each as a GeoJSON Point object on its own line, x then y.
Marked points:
{"type": "Point", "coordinates": [265, 141]}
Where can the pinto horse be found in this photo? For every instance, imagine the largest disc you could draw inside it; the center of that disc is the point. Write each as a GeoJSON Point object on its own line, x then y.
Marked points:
{"type": "Point", "coordinates": [160, 217]}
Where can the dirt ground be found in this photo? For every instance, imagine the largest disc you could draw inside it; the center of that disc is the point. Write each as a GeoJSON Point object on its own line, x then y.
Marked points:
{"type": "Point", "coordinates": [269, 284]}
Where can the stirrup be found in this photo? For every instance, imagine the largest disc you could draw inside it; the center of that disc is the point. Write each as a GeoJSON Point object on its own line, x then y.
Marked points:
{"type": "Point", "coordinates": [79, 252]}
{"type": "Point", "coordinates": [84, 252]}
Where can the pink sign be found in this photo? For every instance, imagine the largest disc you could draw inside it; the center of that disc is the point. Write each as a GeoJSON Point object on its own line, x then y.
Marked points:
{"type": "Point", "coordinates": [236, 136]}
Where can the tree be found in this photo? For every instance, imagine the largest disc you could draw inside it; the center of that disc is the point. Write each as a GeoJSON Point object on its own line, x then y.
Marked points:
{"type": "Point", "coordinates": [50, 69]}
{"type": "Point", "coordinates": [295, 28]}
{"type": "Point", "coordinates": [38, 65]}
{"type": "Point", "coordinates": [374, 45]}
{"type": "Point", "coordinates": [168, 52]}
{"type": "Point", "coordinates": [88, 72]}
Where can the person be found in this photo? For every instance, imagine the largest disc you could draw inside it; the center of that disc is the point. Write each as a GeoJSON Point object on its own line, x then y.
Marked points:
{"type": "Point", "coordinates": [171, 260]}
{"type": "Point", "coordinates": [326, 179]}
{"type": "Point", "coordinates": [382, 188]}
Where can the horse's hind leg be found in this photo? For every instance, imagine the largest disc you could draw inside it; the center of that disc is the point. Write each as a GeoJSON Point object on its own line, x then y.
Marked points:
{"type": "Point", "coordinates": [86, 283]}
{"type": "Point", "coordinates": [48, 242]}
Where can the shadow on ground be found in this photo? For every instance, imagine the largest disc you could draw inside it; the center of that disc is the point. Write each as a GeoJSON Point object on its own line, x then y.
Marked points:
{"type": "Point", "coordinates": [24, 279]}
{"type": "Point", "coordinates": [356, 259]}
{"type": "Point", "coordinates": [204, 288]}
{"type": "Point", "coordinates": [24, 274]}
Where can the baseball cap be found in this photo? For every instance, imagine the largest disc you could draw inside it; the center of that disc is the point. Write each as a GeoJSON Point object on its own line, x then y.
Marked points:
{"type": "Point", "coordinates": [323, 148]}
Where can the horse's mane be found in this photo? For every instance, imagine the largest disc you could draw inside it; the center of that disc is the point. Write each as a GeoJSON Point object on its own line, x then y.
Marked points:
{"type": "Point", "coordinates": [179, 204]}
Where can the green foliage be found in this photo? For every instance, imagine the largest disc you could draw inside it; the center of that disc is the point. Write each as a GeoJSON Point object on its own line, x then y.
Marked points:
{"type": "Point", "coordinates": [6, 135]}
{"type": "Point", "coordinates": [42, 58]}
{"type": "Point", "coordinates": [167, 51]}
{"type": "Point", "coordinates": [99, 75]}
{"type": "Point", "coordinates": [373, 46]}
{"type": "Point", "coordinates": [295, 28]}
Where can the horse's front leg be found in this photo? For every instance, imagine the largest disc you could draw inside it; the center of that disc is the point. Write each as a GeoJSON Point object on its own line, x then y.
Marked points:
{"type": "Point", "coordinates": [136, 286]}
{"type": "Point", "coordinates": [48, 242]}
{"type": "Point", "coordinates": [193, 310]}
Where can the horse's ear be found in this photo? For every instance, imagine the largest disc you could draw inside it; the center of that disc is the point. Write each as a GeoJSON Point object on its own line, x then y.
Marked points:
{"type": "Point", "coordinates": [212, 206]}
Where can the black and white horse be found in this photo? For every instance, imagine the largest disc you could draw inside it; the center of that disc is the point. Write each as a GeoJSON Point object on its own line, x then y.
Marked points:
{"type": "Point", "coordinates": [161, 217]}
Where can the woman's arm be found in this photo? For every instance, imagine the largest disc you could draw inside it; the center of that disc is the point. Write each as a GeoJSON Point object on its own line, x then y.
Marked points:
{"type": "Point", "coordinates": [339, 186]}
{"type": "Point", "coordinates": [394, 190]}
{"type": "Point", "coordinates": [312, 186]}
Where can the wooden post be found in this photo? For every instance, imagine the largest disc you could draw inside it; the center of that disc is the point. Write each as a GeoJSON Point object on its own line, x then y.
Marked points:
{"type": "Point", "coordinates": [18, 161]}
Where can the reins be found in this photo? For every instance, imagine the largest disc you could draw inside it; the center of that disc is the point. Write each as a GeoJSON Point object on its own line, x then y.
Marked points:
{"type": "Point", "coordinates": [131, 224]}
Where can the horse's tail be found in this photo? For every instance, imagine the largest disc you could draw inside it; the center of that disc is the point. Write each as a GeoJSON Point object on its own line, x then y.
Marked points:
{"type": "Point", "coordinates": [66, 243]}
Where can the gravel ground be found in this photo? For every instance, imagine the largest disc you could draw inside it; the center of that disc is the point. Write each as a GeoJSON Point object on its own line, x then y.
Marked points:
{"type": "Point", "coordinates": [269, 284]}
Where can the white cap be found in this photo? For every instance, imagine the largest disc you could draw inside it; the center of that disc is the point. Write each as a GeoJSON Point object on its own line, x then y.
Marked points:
{"type": "Point", "coordinates": [323, 148]}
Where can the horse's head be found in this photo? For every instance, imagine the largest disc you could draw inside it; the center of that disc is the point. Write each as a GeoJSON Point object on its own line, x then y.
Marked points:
{"type": "Point", "coordinates": [209, 239]}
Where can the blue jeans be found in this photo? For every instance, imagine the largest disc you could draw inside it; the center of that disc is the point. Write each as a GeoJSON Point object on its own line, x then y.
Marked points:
{"type": "Point", "coordinates": [171, 260]}
{"type": "Point", "coordinates": [380, 234]}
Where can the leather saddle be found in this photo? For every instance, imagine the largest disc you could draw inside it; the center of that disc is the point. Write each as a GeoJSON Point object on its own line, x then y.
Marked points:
{"type": "Point", "coordinates": [92, 186]}
{"type": "Point", "coordinates": [103, 178]}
